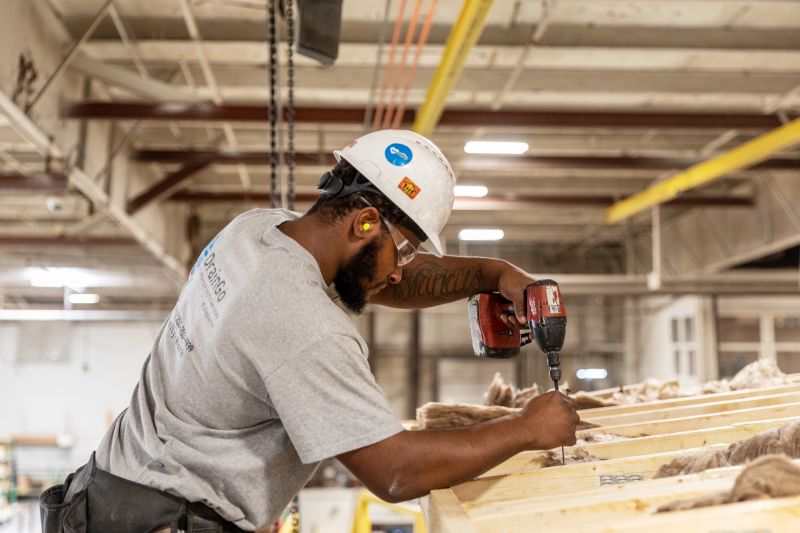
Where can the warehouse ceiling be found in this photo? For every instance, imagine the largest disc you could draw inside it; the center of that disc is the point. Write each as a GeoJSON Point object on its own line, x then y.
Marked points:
{"type": "Point", "coordinates": [610, 96]}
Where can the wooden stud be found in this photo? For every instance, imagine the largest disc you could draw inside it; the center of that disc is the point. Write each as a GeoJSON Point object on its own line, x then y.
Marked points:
{"type": "Point", "coordinates": [647, 445]}
{"type": "Point", "coordinates": [694, 410]}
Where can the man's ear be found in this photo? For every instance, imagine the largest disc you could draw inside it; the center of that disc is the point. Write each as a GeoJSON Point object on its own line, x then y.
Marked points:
{"type": "Point", "coordinates": [366, 223]}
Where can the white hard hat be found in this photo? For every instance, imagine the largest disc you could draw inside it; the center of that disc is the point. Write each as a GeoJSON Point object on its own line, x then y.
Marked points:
{"type": "Point", "coordinates": [410, 171]}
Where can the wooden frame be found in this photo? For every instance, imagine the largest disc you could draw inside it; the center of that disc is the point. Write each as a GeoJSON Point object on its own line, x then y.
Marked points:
{"type": "Point", "coordinates": [618, 493]}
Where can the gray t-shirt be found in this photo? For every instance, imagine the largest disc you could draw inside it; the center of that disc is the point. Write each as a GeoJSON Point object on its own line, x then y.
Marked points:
{"type": "Point", "coordinates": [255, 377]}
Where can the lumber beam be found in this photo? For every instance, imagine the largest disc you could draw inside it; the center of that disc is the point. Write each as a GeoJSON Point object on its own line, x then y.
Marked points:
{"type": "Point", "coordinates": [689, 400]}
{"type": "Point", "coordinates": [778, 515]}
{"type": "Point", "coordinates": [691, 423]}
{"type": "Point", "coordinates": [604, 506]}
{"type": "Point", "coordinates": [565, 479]}
{"type": "Point", "coordinates": [443, 513]}
{"type": "Point", "coordinates": [695, 410]}
{"type": "Point", "coordinates": [647, 445]}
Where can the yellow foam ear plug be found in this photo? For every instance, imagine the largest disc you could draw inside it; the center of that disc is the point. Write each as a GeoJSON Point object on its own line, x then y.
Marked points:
{"type": "Point", "coordinates": [366, 226]}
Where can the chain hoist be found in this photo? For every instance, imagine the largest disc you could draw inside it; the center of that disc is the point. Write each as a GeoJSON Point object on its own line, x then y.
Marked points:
{"type": "Point", "coordinates": [273, 104]}
{"type": "Point", "coordinates": [290, 100]}
{"type": "Point", "coordinates": [275, 157]}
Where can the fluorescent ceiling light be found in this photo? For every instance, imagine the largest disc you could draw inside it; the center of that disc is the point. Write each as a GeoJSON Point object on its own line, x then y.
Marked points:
{"type": "Point", "coordinates": [83, 298]}
{"type": "Point", "coordinates": [592, 373]}
{"type": "Point", "coordinates": [481, 234]}
{"type": "Point", "coordinates": [474, 191]}
{"type": "Point", "coordinates": [75, 278]}
{"type": "Point", "coordinates": [496, 147]}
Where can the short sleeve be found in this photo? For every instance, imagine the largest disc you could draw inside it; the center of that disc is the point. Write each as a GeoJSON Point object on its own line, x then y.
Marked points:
{"type": "Point", "coordinates": [328, 401]}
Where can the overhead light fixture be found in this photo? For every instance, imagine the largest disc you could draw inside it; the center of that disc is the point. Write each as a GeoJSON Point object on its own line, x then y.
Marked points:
{"type": "Point", "coordinates": [473, 191]}
{"type": "Point", "coordinates": [83, 298]}
{"type": "Point", "coordinates": [496, 147]}
{"type": "Point", "coordinates": [592, 373]}
{"type": "Point", "coordinates": [75, 278]}
{"type": "Point", "coordinates": [481, 234]}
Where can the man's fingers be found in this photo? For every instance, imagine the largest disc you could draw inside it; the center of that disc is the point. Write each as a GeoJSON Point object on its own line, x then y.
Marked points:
{"type": "Point", "coordinates": [572, 400]}
{"type": "Point", "coordinates": [519, 309]}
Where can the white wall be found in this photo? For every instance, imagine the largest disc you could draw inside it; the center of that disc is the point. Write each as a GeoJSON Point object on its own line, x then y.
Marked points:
{"type": "Point", "coordinates": [655, 343]}
{"type": "Point", "coordinates": [79, 396]}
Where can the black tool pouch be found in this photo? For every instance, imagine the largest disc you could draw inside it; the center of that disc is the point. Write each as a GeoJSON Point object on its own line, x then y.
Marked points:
{"type": "Point", "coordinates": [94, 501]}
{"type": "Point", "coordinates": [63, 507]}
{"type": "Point", "coordinates": [52, 508]}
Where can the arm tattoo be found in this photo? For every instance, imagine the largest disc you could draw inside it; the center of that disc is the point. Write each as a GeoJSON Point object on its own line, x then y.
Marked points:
{"type": "Point", "coordinates": [433, 282]}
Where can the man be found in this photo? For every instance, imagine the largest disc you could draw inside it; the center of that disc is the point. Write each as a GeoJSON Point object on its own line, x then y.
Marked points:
{"type": "Point", "coordinates": [258, 374]}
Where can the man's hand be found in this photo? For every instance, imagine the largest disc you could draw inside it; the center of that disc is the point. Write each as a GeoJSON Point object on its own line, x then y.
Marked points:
{"type": "Point", "coordinates": [551, 420]}
{"type": "Point", "coordinates": [511, 284]}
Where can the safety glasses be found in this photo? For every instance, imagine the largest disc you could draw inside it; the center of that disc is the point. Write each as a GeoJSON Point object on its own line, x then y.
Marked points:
{"type": "Point", "coordinates": [405, 250]}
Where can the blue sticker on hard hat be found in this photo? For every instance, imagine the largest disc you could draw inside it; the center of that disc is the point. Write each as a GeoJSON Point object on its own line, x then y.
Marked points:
{"type": "Point", "coordinates": [398, 154]}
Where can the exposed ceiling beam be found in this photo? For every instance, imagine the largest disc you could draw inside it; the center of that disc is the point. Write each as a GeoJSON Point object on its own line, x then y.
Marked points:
{"type": "Point", "coordinates": [55, 183]}
{"type": "Point", "coordinates": [49, 315]}
{"type": "Point", "coordinates": [255, 157]}
{"type": "Point", "coordinates": [451, 117]}
{"type": "Point", "coordinates": [227, 156]}
{"type": "Point", "coordinates": [491, 202]}
{"type": "Point", "coordinates": [131, 81]}
{"type": "Point", "coordinates": [749, 60]}
{"type": "Point", "coordinates": [26, 128]}
{"type": "Point", "coordinates": [61, 240]}
{"type": "Point", "coordinates": [164, 188]}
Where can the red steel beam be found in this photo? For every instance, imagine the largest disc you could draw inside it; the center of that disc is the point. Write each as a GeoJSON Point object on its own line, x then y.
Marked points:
{"type": "Point", "coordinates": [227, 156]}
{"type": "Point", "coordinates": [600, 201]}
{"type": "Point", "coordinates": [528, 161]}
{"type": "Point", "coordinates": [451, 117]}
{"type": "Point", "coordinates": [170, 182]}
{"type": "Point", "coordinates": [52, 183]}
{"type": "Point", "coordinates": [63, 240]}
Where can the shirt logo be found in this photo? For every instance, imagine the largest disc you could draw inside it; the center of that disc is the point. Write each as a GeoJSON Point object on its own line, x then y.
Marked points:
{"type": "Point", "coordinates": [409, 187]}
{"type": "Point", "coordinates": [398, 154]}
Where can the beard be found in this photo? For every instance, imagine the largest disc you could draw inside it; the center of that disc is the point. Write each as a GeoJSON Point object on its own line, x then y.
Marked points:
{"type": "Point", "coordinates": [350, 280]}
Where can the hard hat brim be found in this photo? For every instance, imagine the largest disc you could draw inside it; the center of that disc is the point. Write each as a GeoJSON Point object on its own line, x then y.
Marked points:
{"type": "Point", "coordinates": [433, 245]}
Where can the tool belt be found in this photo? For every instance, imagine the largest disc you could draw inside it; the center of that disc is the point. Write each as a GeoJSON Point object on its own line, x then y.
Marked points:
{"type": "Point", "coordinates": [94, 501]}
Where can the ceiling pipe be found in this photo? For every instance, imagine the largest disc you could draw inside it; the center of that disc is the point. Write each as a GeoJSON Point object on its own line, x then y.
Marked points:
{"type": "Point", "coordinates": [423, 38]}
{"type": "Point", "coordinates": [462, 38]}
{"type": "Point", "coordinates": [739, 158]}
{"type": "Point", "coordinates": [377, 117]}
{"type": "Point", "coordinates": [401, 65]}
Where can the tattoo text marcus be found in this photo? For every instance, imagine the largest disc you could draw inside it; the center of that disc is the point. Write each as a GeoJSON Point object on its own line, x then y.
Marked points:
{"type": "Point", "coordinates": [432, 281]}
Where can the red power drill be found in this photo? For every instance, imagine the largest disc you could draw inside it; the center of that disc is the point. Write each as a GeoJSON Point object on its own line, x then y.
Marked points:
{"type": "Point", "coordinates": [545, 316]}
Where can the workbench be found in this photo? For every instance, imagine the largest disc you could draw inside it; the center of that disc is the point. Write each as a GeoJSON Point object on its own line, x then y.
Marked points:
{"type": "Point", "coordinates": [619, 493]}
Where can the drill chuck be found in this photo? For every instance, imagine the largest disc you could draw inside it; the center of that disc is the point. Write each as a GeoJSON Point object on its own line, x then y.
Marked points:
{"type": "Point", "coordinates": [554, 365]}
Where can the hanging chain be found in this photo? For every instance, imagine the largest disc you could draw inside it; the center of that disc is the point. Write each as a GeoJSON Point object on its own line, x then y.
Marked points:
{"type": "Point", "coordinates": [273, 104]}
{"type": "Point", "coordinates": [290, 102]}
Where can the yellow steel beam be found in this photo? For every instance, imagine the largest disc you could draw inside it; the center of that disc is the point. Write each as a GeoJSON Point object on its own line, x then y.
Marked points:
{"type": "Point", "coordinates": [741, 157]}
{"type": "Point", "coordinates": [462, 38]}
